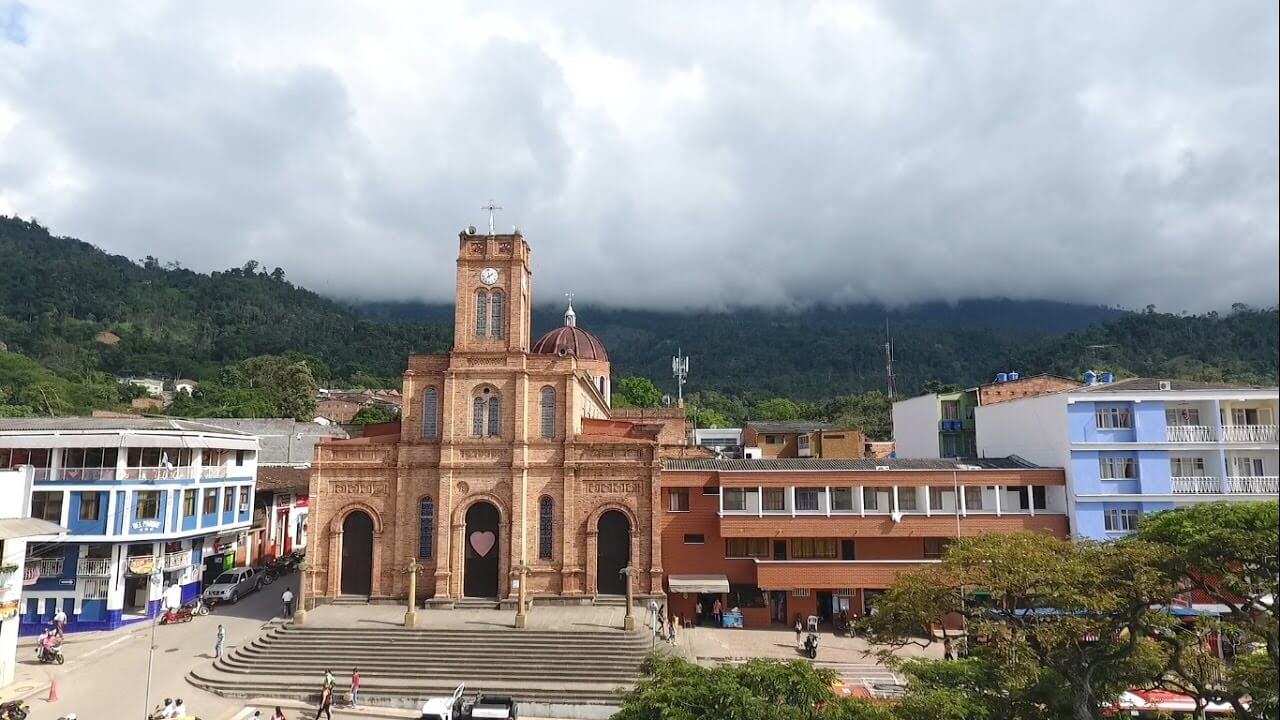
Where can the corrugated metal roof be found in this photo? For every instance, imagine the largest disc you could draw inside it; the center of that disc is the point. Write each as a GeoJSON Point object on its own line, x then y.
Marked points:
{"type": "Point", "coordinates": [11, 528]}
{"type": "Point", "coordinates": [1153, 385]}
{"type": "Point", "coordinates": [282, 441]}
{"type": "Point", "coordinates": [103, 424]}
{"type": "Point", "coordinates": [1013, 462]}
{"type": "Point", "coordinates": [789, 426]}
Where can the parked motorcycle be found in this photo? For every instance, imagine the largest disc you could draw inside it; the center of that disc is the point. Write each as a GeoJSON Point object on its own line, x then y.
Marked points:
{"type": "Point", "coordinates": [181, 615]}
{"type": "Point", "coordinates": [811, 645]}
{"type": "Point", "coordinates": [16, 710]}
{"type": "Point", "coordinates": [198, 607]}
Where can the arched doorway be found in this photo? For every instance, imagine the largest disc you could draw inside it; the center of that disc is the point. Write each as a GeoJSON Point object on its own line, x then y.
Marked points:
{"type": "Point", "coordinates": [357, 554]}
{"type": "Point", "coordinates": [613, 552]}
{"type": "Point", "coordinates": [480, 569]}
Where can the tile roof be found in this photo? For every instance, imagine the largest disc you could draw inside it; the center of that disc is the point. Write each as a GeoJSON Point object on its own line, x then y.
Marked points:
{"type": "Point", "coordinates": [1153, 385]}
{"type": "Point", "coordinates": [110, 424]}
{"type": "Point", "coordinates": [790, 426]}
{"type": "Point", "coordinates": [1013, 462]}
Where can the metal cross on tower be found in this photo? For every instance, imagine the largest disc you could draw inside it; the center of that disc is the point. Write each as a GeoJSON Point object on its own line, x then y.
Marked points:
{"type": "Point", "coordinates": [491, 208]}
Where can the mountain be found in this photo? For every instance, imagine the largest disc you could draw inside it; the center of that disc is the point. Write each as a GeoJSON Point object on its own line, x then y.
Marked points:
{"type": "Point", "coordinates": [76, 309]}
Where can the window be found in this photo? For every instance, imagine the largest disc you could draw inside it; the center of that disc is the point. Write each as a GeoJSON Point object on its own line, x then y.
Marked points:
{"type": "Point", "coordinates": [546, 528]}
{"type": "Point", "coordinates": [935, 548]}
{"type": "Point", "coordinates": [188, 503]}
{"type": "Point", "coordinates": [228, 499]}
{"type": "Point", "coordinates": [240, 457]}
{"type": "Point", "coordinates": [678, 500]}
{"type": "Point", "coordinates": [1247, 466]}
{"type": "Point", "coordinates": [807, 499]}
{"type": "Point", "coordinates": [735, 498]}
{"type": "Point", "coordinates": [1117, 468]}
{"type": "Point", "coordinates": [870, 499]}
{"type": "Point", "coordinates": [89, 463]}
{"type": "Point", "coordinates": [148, 504]}
{"type": "Point", "coordinates": [694, 539]}
{"type": "Point", "coordinates": [495, 416]}
{"type": "Point", "coordinates": [548, 412]}
{"type": "Point", "coordinates": [482, 312]}
{"type": "Point", "coordinates": [426, 526]}
{"type": "Point", "coordinates": [1186, 467]}
{"type": "Point", "coordinates": [802, 442]}
{"type": "Point", "coordinates": [814, 548]}
{"type": "Point", "coordinates": [210, 501]}
{"type": "Point", "coordinates": [244, 499]}
{"type": "Point", "coordinates": [746, 548]}
{"type": "Point", "coordinates": [842, 498]}
{"type": "Point", "coordinates": [17, 456]}
{"type": "Point", "coordinates": [773, 440]}
{"type": "Point", "coordinates": [90, 506]}
{"type": "Point", "coordinates": [431, 413]}
{"type": "Point", "coordinates": [711, 490]}
{"type": "Point", "coordinates": [1182, 416]}
{"type": "Point", "coordinates": [950, 410]}
{"type": "Point", "coordinates": [775, 499]}
{"type": "Point", "coordinates": [1244, 416]}
{"type": "Point", "coordinates": [906, 499]}
{"type": "Point", "coordinates": [1111, 417]}
{"type": "Point", "coordinates": [477, 417]}
{"type": "Point", "coordinates": [745, 596]}
{"type": "Point", "coordinates": [1120, 520]}
{"type": "Point", "coordinates": [495, 326]}
{"type": "Point", "coordinates": [847, 550]}
{"type": "Point", "coordinates": [47, 506]}
{"type": "Point", "coordinates": [937, 499]}
{"type": "Point", "coordinates": [973, 498]}
{"type": "Point", "coordinates": [1037, 496]}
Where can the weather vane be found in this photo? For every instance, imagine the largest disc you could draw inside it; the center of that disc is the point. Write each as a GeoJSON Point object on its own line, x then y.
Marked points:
{"type": "Point", "coordinates": [491, 208]}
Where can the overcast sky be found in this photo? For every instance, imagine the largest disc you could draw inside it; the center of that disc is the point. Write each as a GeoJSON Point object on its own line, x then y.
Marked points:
{"type": "Point", "coordinates": [664, 154]}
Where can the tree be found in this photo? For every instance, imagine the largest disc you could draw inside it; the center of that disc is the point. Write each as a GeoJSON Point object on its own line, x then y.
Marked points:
{"type": "Point", "coordinates": [263, 386]}
{"type": "Point", "coordinates": [940, 388]}
{"type": "Point", "coordinates": [639, 392]}
{"type": "Point", "coordinates": [375, 413]}
{"type": "Point", "coordinates": [707, 418]}
{"type": "Point", "coordinates": [775, 409]}
{"type": "Point", "coordinates": [1077, 616]}
{"type": "Point", "coordinates": [1226, 551]}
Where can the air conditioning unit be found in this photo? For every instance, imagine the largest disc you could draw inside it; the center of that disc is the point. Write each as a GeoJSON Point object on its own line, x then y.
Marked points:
{"type": "Point", "coordinates": [882, 467]}
{"type": "Point", "coordinates": [1166, 385]}
{"type": "Point", "coordinates": [896, 517]}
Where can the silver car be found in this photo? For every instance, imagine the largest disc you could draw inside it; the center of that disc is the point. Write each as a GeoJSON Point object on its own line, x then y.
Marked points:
{"type": "Point", "coordinates": [232, 585]}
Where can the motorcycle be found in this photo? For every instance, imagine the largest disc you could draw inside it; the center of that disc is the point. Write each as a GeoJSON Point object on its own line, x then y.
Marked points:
{"type": "Point", "coordinates": [811, 646]}
{"type": "Point", "coordinates": [16, 710]}
{"type": "Point", "coordinates": [52, 654]}
{"type": "Point", "coordinates": [198, 607]}
{"type": "Point", "coordinates": [182, 614]}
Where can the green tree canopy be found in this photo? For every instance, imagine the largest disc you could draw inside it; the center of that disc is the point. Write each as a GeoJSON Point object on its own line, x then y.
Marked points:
{"type": "Point", "coordinates": [776, 409]}
{"type": "Point", "coordinates": [375, 413]}
{"type": "Point", "coordinates": [639, 392]}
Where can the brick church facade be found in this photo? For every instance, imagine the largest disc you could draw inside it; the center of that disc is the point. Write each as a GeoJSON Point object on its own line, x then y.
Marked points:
{"type": "Point", "coordinates": [507, 454]}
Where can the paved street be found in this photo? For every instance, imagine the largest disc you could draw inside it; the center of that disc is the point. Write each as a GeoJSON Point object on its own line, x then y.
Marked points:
{"type": "Point", "coordinates": [105, 675]}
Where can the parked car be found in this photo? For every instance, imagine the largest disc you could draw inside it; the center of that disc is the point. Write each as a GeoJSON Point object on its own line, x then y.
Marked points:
{"type": "Point", "coordinates": [232, 585]}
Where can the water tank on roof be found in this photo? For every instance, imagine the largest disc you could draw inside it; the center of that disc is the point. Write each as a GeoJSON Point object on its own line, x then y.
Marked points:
{"type": "Point", "coordinates": [1108, 377]}
{"type": "Point", "coordinates": [1090, 377]}
{"type": "Point", "coordinates": [1013, 376]}
{"type": "Point", "coordinates": [1002, 377]}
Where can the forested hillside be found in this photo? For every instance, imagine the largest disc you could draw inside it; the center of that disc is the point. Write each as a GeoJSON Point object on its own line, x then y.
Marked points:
{"type": "Point", "coordinates": [81, 314]}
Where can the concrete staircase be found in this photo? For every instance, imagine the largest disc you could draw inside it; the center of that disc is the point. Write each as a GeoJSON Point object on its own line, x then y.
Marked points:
{"type": "Point", "coordinates": [401, 667]}
{"type": "Point", "coordinates": [610, 601]}
{"type": "Point", "coordinates": [468, 603]}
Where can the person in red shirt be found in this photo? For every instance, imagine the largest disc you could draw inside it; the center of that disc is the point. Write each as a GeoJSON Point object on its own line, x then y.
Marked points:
{"type": "Point", "coordinates": [355, 685]}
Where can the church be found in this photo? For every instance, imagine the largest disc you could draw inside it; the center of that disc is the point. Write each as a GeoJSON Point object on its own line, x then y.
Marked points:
{"type": "Point", "coordinates": [508, 458]}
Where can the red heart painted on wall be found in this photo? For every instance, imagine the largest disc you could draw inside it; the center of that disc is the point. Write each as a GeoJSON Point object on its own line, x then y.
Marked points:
{"type": "Point", "coordinates": [483, 542]}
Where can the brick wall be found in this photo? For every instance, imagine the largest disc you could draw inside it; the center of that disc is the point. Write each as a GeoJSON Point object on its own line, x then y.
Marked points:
{"type": "Point", "coordinates": [993, 393]}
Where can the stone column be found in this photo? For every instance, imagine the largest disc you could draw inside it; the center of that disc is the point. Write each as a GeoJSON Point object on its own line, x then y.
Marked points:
{"type": "Point", "coordinates": [334, 569]}
{"type": "Point", "coordinates": [655, 525]}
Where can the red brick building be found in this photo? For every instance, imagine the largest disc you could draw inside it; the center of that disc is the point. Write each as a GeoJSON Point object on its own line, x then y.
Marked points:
{"type": "Point", "coordinates": [782, 537]}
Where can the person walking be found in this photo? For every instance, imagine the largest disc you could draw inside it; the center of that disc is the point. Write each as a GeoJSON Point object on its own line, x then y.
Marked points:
{"type": "Point", "coordinates": [715, 612]}
{"type": "Point", "coordinates": [799, 629]}
{"type": "Point", "coordinates": [326, 704]}
{"type": "Point", "coordinates": [948, 653]}
{"type": "Point", "coordinates": [179, 709]}
{"type": "Point", "coordinates": [287, 599]}
{"type": "Point", "coordinates": [355, 686]}
{"type": "Point", "coordinates": [671, 631]}
{"type": "Point", "coordinates": [328, 679]}
{"type": "Point", "coordinates": [697, 612]}
{"type": "Point", "coordinates": [217, 643]}
{"type": "Point", "coordinates": [60, 622]}
{"type": "Point", "coordinates": [278, 714]}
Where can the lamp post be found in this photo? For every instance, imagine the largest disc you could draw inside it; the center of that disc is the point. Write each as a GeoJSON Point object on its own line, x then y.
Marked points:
{"type": "Point", "coordinates": [155, 576]}
{"type": "Point", "coordinates": [521, 572]}
{"type": "Point", "coordinates": [411, 613]}
{"type": "Point", "coordinates": [628, 620]}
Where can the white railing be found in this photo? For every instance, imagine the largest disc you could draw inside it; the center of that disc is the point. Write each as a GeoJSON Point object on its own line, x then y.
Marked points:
{"type": "Point", "coordinates": [89, 474]}
{"type": "Point", "coordinates": [213, 471]}
{"type": "Point", "coordinates": [1249, 433]}
{"type": "Point", "coordinates": [94, 567]}
{"type": "Point", "coordinates": [30, 573]}
{"type": "Point", "coordinates": [1196, 485]}
{"type": "Point", "coordinates": [177, 560]}
{"type": "Point", "coordinates": [1190, 433]}
{"type": "Point", "coordinates": [1255, 485]}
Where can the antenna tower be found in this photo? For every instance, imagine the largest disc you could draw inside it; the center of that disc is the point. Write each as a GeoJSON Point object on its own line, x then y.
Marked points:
{"type": "Point", "coordinates": [890, 379]}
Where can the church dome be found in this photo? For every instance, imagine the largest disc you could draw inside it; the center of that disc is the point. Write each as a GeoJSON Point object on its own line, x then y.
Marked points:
{"type": "Point", "coordinates": [570, 339]}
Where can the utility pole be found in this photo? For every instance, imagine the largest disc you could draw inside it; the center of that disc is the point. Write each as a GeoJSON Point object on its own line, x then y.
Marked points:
{"type": "Point", "coordinates": [680, 371]}
{"type": "Point", "coordinates": [890, 380]}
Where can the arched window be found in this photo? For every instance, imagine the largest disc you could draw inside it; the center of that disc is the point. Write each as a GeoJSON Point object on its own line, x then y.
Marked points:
{"type": "Point", "coordinates": [495, 416]}
{"type": "Point", "coordinates": [545, 529]}
{"type": "Point", "coordinates": [548, 412]}
{"type": "Point", "coordinates": [426, 526]}
{"type": "Point", "coordinates": [430, 413]}
{"type": "Point", "coordinates": [482, 311]}
{"type": "Point", "coordinates": [477, 417]}
{"type": "Point", "coordinates": [496, 324]}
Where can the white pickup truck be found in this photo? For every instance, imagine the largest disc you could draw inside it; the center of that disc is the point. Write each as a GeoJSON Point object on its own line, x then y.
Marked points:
{"type": "Point", "coordinates": [459, 707]}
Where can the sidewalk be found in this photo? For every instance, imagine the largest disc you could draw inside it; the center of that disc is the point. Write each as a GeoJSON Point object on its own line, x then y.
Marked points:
{"type": "Point", "coordinates": [32, 679]}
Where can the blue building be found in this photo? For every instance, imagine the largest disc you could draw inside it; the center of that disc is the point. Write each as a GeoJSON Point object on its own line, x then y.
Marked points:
{"type": "Point", "coordinates": [147, 502]}
{"type": "Point", "coordinates": [1142, 445]}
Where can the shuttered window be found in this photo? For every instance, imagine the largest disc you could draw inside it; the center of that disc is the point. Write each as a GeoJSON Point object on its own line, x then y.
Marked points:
{"type": "Point", "coordinates": [495, 416]}
{"type": "Point", "coordinates": [496, 324]}
{"type": "Point", "coordinates": [430, 413]}
{"type": "Point", "coordinates": [546, 528]}
{"type": "Point", "coordinates": [548, 412]}
{"type": "Point", "coordinates": [426, 526]}
{"type": "Point", "coordinates": [482, 312]}
{"type": "Point", "coordinates": [477, 417]}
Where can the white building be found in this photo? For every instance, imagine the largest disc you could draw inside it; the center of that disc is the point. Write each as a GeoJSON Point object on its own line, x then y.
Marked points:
{"type": "Point", "coordinates": [148, 502]}
{"type": "Point", "coordinates": [16, 531]}
{"type": "Point", "coordinates": [722, 441]}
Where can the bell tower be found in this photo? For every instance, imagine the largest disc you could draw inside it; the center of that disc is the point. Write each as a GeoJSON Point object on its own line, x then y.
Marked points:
{"type": "Point", "coordinates": [493, 294]}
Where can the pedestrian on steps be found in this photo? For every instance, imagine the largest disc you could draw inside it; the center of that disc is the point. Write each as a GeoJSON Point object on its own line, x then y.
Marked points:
{"type": "Point", "coordinates": [355, 686]}
{"type": "Point", "coordinates": [287, 599]}
{"type": "Point", "coordinates": [278, 714]}
{"type": "Point", "coordinates": [671, 630]}
{"type": "Point", "coordinates": [326, 703]}
{"type": "Point", "coordinates": [217, 644]}
{"type": "Point", "coordinates": [328, 679]}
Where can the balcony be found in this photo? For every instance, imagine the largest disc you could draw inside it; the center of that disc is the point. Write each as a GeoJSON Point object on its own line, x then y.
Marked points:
{"type": "Point", "coordinates": [87, 474]}
{"type": "Point", "coordinates": [94, 567]}
{"type": "Point", "coordinates": [37, 568]}
{"type": "Point", "coordinates": [177, 560]}
{"type": "Point", "coordinates": [1196, 486]}
{"type": "Point", "coordinates": [1191, 434]}
{"type": "Point", "coordinates": [1249, 434]}
{"type": "Point", "coordinates": [213, 471]}
{"type": "Point", "coordinates": [1255, 485]}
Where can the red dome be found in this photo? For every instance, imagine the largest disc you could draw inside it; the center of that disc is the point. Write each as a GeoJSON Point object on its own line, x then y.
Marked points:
{"type": "Point", "coordinates": [571, 340]}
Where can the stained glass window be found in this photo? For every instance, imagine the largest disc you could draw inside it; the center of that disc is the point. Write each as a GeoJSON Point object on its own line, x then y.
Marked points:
{"type": "Point", "coordinates": [545, 528]}
{"type": "Point", "coordinates": [426, 526]}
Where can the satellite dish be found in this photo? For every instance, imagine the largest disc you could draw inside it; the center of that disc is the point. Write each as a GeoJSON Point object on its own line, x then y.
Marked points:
{"type": "Point", "coordinates": [471, 230]}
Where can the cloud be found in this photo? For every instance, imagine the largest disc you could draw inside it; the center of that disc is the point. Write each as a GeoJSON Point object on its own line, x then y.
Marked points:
{"type": "Point", "coordinates": [662, 154]}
